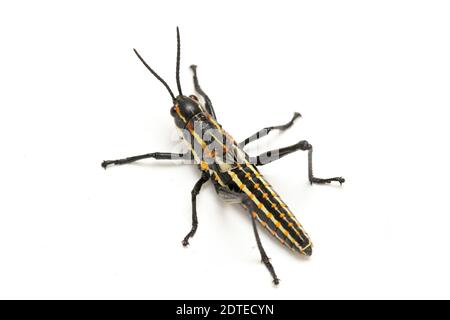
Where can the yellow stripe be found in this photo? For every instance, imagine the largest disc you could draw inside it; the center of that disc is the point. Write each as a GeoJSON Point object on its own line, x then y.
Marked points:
{"type": "Point", "coordinates": [277, 197]}
{"type": "Point", "coordinates": [177, 109]}
{"type": "Point", "coordinates": [263, 209]}
{"type": "Point", "coordinates": [276, 235]}
{"type": "Point", "coordinates": [251, 195]}
{"type": "Point", "coordinates": [281, 214]}
{"type": "Point", "coordinates": [199, 140]}
{"type": "Point", "coordinates": [267, 185]}
{"type": "Point", "coordinates": [197, 159]}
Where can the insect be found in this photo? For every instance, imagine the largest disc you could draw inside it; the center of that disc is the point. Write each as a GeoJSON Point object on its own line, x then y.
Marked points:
{"type": "Point", "coordinates": [234, 174]}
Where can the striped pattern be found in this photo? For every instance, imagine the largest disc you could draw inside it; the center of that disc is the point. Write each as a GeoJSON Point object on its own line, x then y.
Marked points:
{"type": "Point", "coordinates": [204, 136]}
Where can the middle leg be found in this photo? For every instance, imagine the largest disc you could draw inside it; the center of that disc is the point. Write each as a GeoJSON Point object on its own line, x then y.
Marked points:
{"type": "Point", "coordinates": [264, 132]}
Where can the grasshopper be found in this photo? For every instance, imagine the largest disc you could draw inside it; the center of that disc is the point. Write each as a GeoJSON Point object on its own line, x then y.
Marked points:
{"type": "Point", "coordinates": [234, 174]}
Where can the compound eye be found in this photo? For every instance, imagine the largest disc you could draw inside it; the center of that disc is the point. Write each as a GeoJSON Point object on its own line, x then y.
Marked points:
{"type": "Point", "coordinates": [173, 111]}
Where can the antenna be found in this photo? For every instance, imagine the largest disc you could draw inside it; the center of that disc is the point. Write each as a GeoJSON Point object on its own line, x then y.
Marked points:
{"type": "Point", "coordinates": [178, 63]}
{"type": "Point", "coordinates": [156, 75]}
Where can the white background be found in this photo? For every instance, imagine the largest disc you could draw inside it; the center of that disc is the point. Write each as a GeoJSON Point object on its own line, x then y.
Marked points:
{"type": "Point", "coordinates": [371, 79]}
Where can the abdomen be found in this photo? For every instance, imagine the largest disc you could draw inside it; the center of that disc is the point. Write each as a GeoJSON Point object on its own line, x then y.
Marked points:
{"type": "Point", "coordinates": [268, 209]}
{"type": "Point", "coordinates": [260, 199]}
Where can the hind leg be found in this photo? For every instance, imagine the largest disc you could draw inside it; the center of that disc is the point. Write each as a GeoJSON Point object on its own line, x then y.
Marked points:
{"type": "Point", "coordinates": [264, 258]}
{"type": "Point", "coordinates": [236, 197]}
{"type": "Point", "coordinates": [303, 145]}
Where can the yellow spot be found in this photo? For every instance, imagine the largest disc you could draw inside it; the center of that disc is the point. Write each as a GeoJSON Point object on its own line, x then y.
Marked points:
{"type": "Point", "coordinates": [277, 224]}
{"type": "Point", "coordinates": [263, 224]}
{"type": "Point", "coordinates": [285, 232]}
{"type": "Point", "coordinates": [290, 224]}
{"type": "Point", "coordinates": [256, 185]}
{"type": "Point", "coordinates": [241, 186]}
{"type": "Point", "coordinates": [274, 205]}
{"type": "Point", "coordinates": [260, 205]}
{"type": "Point", "coordinates": [254, 214]}
{"type": "Point", "coordinates": [251, 196]}
{"type": "Point", "coordinates": [247, 175]}
{"type": "Point", "coordinates": [269, 215]}
{"type": "Point", "coordinates": [203, 165]}
{"type": "Point", "coordinates": [282, 215]}
{"type": "Point", "coordinates": [265, 195]}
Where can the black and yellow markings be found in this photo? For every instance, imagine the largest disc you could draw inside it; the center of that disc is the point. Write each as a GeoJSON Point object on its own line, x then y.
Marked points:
{"type": "Point", "coordinates": [270, 211]}
{"type": "Point", "coordinates": [199, 148]}
{"type": "Point", "coordinates": [275, 205]}
{"type": "Point", "coordinates": [266, 225]}
{"type": "Point", "coordinates": [283, 224]}
{"type": "Point", "coordinates": [268, 219]}
{"type": "Point", "coordinates": [178, 111]}
{"type": "Point", "coordinates": [277, 198]}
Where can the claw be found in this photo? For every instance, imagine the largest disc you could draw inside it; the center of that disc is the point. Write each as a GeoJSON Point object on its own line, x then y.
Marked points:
{"type": "Point", "coordinates": [323, 181]}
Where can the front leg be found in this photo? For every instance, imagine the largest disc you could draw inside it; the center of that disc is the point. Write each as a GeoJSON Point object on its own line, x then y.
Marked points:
{"type": "Point", "coordinates": [303, 145]}
{"type": "Point", "coordinates": [208, 104]}
{"type": "Point", "coordinates": [155, 155]}
{"type": "Point", "coordinates": [195, 191]}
